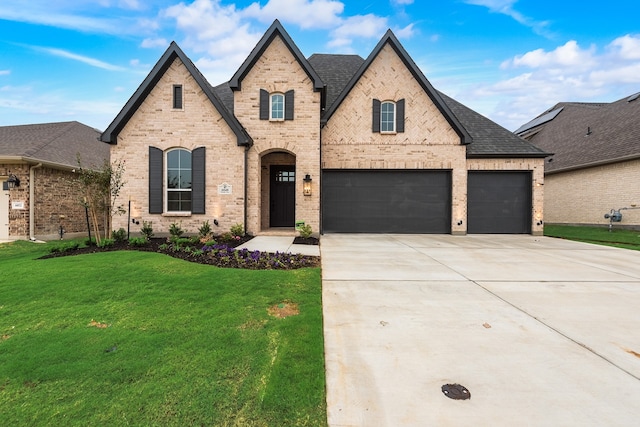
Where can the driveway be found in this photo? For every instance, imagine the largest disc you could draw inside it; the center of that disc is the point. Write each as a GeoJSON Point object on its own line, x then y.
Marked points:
{"type": "Point", "coordinates": [542, 332]}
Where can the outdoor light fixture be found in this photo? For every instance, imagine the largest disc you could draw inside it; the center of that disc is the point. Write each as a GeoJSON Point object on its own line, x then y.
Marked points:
{"type": "Point", "coordinates": [306, 185]}
{"type": "Point", "coordinates": [13, 181]}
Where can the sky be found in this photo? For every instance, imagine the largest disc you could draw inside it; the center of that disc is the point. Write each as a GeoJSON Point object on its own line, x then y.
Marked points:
{"type": "Point", "coordinates": [509, 60]}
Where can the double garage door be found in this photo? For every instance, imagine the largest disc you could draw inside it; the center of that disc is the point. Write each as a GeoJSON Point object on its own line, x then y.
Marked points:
{"type": "Point", "coordinates": [419, 201]}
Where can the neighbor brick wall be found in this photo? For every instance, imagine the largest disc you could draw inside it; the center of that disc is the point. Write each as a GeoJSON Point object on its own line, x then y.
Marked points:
{"type": "Point", "coordinates": [583, 196]}
{"type": "Point", "coordinates": [538, 184]}
{"type": "Point", "coordinates": [198, 124]}
{"type": "Point", "coordinates": [18, 218]}
{"type": "Point", "coordinates": [278, 71]}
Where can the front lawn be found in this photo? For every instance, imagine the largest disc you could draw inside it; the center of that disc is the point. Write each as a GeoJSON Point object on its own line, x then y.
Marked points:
{"type": "Point", "coordinates": [141, 338]}
{"type": "Point", "coordinates": [622, 238]}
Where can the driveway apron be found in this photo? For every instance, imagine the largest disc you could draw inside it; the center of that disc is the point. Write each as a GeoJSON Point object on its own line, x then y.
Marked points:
{"type": "Point", "coordinates": [540, 331]}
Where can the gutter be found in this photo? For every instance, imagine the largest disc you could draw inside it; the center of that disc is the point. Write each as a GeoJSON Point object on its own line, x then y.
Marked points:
{"type": "Point", "coordinates": [32, 204]}
{"type": "Point", "coordinates": [594, 164]}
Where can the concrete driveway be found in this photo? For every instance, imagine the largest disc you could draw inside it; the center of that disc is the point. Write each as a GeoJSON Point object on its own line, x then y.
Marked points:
{"type": "Point", "coordinates": [542, 332]}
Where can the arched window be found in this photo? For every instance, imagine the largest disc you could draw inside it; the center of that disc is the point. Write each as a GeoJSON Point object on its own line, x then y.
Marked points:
{"type": "Point", "coordinates": [178, 180]}
{"type": "Point", "coordinates": [388, 116]}
{"type": "Point", "coordinates": [276, 110]}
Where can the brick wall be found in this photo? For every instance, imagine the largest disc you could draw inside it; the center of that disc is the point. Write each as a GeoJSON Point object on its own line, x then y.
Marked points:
{"type": "Point", "coordinates": [278, 71]}
{"type": "Point", "coordinates": [197, 124]}
{"type": "Point", "coordinates": [584, 196]}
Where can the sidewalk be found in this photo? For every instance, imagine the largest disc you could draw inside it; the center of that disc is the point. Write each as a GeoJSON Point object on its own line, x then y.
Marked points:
{"type": "Point", "coordinates": [280, 244]}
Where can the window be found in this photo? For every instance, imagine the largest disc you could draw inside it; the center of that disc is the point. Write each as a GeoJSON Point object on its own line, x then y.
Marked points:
{"type": "Point", "coordinates": [178, 181]}
{"type": "Point", "coordinates": [276, 110]}
{"type": "Point", "coordinates": [388, 117]}
{"type": "Point", "coordinates": [177, 97]}
{"type": "Point", "coordinates": [285, 176]}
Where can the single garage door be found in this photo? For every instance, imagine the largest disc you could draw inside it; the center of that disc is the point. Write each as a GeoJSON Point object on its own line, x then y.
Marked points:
{"type": "Point", "coordinates": [386, 201]}
{"type": "Point", "coordinates": [499, 202]}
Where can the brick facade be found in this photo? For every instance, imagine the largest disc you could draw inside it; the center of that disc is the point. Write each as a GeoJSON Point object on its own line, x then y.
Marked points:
{"type": "Point", "coordinates": [569, 196]}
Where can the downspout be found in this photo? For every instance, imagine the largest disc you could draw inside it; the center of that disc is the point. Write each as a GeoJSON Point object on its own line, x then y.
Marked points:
{"type": "Point", "coordinates": [246, 181]}
{"type": "Point", "coordinates": [32, 203]}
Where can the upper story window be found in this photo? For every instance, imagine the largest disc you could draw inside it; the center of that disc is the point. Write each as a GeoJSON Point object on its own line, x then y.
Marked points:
{"type": "Point", "coordinates": [178, 179]}
{"type": "Point", "coordinates": [276, 106]}
{"type": "Point", "coordinates": [177, 97]}
{"type": "Point", "coordinates": [388, 117]}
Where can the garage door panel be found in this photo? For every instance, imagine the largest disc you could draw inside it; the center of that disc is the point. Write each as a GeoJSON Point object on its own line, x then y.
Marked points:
{"type": "Point", "coordinates": [386, 201]}
{"type": "Point", "coordinates": [499, 202]}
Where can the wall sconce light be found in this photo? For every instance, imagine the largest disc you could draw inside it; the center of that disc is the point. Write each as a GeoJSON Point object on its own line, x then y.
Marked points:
{"type": "Point", "coordinates": [460, 222]}
{"type": "Point", "coordinates": [13, 181]}
{"type": "Point", "coordinates": [306, 185]}
{"type": "Point", "coordinates": [135, 221]}
{"type": "Point", "coordinates": [215, 222]}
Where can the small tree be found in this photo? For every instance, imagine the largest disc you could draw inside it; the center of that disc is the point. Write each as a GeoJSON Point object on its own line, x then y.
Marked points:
{"type": "Point", "coordinates": [100, 190]}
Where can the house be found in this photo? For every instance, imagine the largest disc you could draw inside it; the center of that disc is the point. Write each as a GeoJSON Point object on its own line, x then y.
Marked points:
{"type": "Point", "coordinates": [36, 170]}
{"type": "Point", "coordinates": [595, 168]}
{"type": "Point", "coordinates": [341, 143]}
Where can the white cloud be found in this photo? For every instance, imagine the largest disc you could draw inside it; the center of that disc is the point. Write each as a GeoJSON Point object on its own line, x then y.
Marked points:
{"type": "Point", "coordinates": [80, 58]}
{"type": "Point", "coordinates": [535, 81]}
{"type": "Point", "coordinates": [151, 43]}
{"type": "Point", "coordinates": [505, 7]}
{"type": "Point", "coordinates": [402, 2]}
{"type": "Point", "coordinates": [5, 72]}
{"type": "Point", "coordinates": [365, 26]}
{"type": "Point", "coordinates": [307, 14]}
{"type": "Point", "coordinates": [406, 32]}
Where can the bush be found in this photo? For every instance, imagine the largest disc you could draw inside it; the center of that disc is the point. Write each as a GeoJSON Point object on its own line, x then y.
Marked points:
{"type": "Point", "coordinates": [106, 243]}
{"type": "Point", "coordinates": [175, 231]}
{"type": "Point", "coordinates": [237, 230]}
{"type": "Point", "coordinates": [204, 230]}
{"type": "Point", "coordinates": [119, 236]}
{"type": "Point", "coordinates": [137, 241]}
{"type": "Point", "coordinates": [64, 247]}
{"type": "Point", "coordinates": [147, 229]}
{"type": "Point", "coordinates": [305, 231]}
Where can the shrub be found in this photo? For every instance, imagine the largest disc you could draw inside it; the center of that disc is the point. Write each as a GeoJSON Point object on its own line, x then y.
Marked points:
{"type": "Point", "coordinates": [147, 229]}
{"type": "Point", "coordinates": [237, 230]}
{"type": "Point", "coordinates": [205, 229]}
{"type": "Point", "coordinates": [120, 235]}
{"type": "Point", "coordinates": [137, 241]}
{"type": "Point", "coordinates": [175, 231]}
{"type": "Point", "coordinates": [106, 243]}
{"type": "Point", "coordinates": [64, 247]}
{"type": "Point", "coordinates": [305, 231]}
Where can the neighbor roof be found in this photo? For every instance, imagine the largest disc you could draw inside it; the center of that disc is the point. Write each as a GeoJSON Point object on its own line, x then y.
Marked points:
{"type": "Point", "coordinates": [110, 135]}
{"type": "Point", "coordinates": [55, 144]}
{"type": "Point", "coordinates": [589, 134]}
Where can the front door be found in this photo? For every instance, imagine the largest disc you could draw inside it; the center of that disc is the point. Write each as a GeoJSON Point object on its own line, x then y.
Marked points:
{"type": "Point", "coordinates": [282, 196]}
{"type": "Point", "coordinates": [4, 213]}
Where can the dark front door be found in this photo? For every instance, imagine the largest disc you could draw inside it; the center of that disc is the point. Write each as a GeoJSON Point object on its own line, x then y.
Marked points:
{"type": "Point", "coordinates": [282, 196]}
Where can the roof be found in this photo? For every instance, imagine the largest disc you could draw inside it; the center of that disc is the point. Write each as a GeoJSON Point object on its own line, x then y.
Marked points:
{"type": "Point", "coordinates": [56, 144]}
{"type": "Point", "coordinates": [589, 134]}
{"type": "Point", "coordinates": [390, 39]}
{"type": "Point", "coordinates": [110, 135]}
{"type": "Point", "coordinates": [335, 71]}
{"type": "Point", "coordinates": [276, 29]}
{"type": "Point", "coordinates": [490, 140]}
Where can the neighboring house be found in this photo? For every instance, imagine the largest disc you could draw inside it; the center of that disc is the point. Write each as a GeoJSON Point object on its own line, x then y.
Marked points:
{"type": "Point", "coordinates": [343, 143]}
{"type": "Point", "coordinates": [596, 162]}
{"type": "Point", "coordinates": [38, 162]}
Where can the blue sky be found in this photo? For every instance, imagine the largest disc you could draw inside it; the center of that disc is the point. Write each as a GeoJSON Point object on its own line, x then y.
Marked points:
{"type": "Point", "coordinates": [507, 59]}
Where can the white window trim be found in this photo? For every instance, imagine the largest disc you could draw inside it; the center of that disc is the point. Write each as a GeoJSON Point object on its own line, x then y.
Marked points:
{"type": "Point", "coordinates": [393, 122]}
{"type": "Point", "coordinates": [276, 119]}
{"type": "Point", "coordinates": [165, 187]}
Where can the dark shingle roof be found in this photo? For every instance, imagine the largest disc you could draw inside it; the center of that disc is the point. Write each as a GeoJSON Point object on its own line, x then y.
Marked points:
{"type": "Point", "coordinates": [335, 71]}
{"type": "Point", "coordinates": [584, 134]}
{"type": "Point", "coordinates": [54, 143]}
{"type": "Point", "coordinates": [489, 138]}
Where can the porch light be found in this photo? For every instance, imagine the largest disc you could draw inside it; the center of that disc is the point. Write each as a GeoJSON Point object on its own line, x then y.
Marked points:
{"type": "Point", "coordinates": [306, 185]}
{"type": "Point", "coordinates": [13, 181]}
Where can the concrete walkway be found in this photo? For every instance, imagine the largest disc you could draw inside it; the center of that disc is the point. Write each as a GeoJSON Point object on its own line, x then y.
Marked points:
{"type": "Point", "coordinates": [542, 332]}
{"type": "Point", "coordinates": [280, 244]}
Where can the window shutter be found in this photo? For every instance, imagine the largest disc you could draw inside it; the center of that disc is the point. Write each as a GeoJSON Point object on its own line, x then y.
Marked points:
{"type": "Point", "coordinates": [198, 180]}
{"type": "Point", "coordinates": [400, 116]}
{"type": "Point", "coordinates": [375, 127]}
{"type": "Point", "coordinates": [264, 105]}
{"type": "Point", "coordinates": [288, 105]}
{"type": "Point", "coordinates": [155, 180]}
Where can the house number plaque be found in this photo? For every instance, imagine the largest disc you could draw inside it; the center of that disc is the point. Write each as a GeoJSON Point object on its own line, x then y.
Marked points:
{"type": "Point", "coordinates": [224, 188]}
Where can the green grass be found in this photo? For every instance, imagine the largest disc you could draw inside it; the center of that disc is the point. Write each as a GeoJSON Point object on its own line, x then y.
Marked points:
{"type": "Point", "coordinates": [622, 238]}
{"type": "Point", "coordinates": [190, 344]}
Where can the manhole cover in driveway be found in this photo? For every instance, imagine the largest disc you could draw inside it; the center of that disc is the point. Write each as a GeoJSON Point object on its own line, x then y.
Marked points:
{"type": "Point", "coordinates": [456, 391]}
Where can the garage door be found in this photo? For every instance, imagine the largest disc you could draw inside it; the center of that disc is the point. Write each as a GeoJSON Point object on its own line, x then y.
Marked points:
{"type": "Point", "coordinates": [499, 202]}
{"type": "Point", "coordinates": [391, 201]}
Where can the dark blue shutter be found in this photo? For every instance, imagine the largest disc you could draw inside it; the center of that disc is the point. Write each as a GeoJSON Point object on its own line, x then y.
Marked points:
{"type": "Point", "coordinates": [375, 126]}
{"type": "Point", "coordinates": [198, 180]}
{"type": "Point", "coordinates": [400, 116]}
{"type": "Point", "coordinates": [264, 105]}
{"type": "Point", "coordinates": [155, 180]}
{"type": "Point", "coordinates": [288, 105]}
